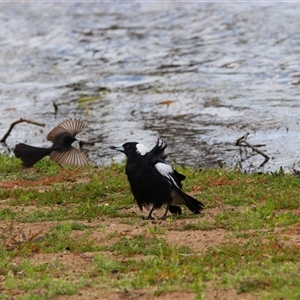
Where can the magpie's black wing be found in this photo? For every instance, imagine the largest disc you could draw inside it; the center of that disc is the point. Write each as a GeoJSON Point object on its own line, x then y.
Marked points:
{"type": "Point", "coordinates": [178, 177]}
{"type": "Point", "coordinates": [157, 155]}
{"type": "Point", "coordinates": [157, 152]}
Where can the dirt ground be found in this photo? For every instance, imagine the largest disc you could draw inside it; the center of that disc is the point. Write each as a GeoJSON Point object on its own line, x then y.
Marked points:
{"type": "Point", "coordinates": [196, 240]}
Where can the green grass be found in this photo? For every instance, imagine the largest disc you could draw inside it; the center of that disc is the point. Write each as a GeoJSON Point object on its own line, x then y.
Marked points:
{"type": "Point", "coordinates": [52, 217]}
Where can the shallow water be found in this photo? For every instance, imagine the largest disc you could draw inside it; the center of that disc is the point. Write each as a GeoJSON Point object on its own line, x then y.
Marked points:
{"type": "Point", "coordinates": [199, 75]}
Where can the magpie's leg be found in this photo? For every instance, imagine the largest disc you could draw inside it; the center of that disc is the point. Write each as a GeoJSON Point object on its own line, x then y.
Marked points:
{"type": "Point", "coordinates": [166, 212]}
{"type": "Point", "coordinates": [149, 216]}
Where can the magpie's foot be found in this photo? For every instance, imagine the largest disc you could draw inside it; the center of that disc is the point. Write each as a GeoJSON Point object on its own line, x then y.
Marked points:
{"type": "Point", "coordinates": [148, 218]}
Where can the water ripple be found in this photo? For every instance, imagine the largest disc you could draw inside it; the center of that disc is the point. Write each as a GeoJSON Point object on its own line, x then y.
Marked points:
{"type": "Point", "coordinates": [199, 75]}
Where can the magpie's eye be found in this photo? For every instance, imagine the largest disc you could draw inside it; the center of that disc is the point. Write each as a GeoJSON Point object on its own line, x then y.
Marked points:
{"type": "Point", "coordinates": [126, 146]}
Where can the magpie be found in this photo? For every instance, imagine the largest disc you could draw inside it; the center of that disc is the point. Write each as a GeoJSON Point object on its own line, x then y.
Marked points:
{"type": "Point", "coordinates": [61, 151]}
{"type": "Point", "coordinates": [153, 181]}
{"type": "Point", "coordinates": [157, 153]}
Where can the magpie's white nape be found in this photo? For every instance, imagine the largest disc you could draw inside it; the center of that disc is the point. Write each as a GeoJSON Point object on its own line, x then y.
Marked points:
{"type": "Point", "coordinates": [153, 180]}
{"type": "Point", "coordinates": [142, 149]}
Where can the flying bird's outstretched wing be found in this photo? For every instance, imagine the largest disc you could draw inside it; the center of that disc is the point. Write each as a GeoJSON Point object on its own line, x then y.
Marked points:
{"type": "Point", "coordinates": [72, 126]}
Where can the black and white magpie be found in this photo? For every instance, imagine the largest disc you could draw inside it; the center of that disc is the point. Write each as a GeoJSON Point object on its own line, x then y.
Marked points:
{"type": "Point", "coordinates": [153, 181]}
{"type": "Point", "coordinates": [157, 155]}
{"type": "Point", "coordinates": [61, 151]}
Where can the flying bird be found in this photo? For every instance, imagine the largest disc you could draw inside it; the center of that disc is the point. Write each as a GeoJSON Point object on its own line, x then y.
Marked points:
{"type": "Point", "coordinates": [61, 151]}
{"type": "Point", "coordinates": [153, 181]}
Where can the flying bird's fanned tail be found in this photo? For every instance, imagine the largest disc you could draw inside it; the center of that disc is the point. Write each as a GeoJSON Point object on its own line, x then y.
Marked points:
{"type": "Point", "coordinates": [30, 155]}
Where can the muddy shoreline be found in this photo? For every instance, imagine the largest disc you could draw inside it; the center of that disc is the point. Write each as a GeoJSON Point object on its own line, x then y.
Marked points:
{"type": "Point", "coordinates": [199, 75]}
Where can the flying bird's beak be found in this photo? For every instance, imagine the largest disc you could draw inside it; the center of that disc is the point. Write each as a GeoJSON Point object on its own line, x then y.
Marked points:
{"type": "Point", "coordinates": [118, 148]}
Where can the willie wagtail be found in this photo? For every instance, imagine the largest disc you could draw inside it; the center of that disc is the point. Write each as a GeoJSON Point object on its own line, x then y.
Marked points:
{"type": "Point", "coordinates": [61, 151]}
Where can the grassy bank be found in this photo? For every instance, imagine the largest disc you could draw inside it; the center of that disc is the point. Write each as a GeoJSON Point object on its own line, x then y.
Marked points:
{"type": "Point", "coordinates": [68, 233]}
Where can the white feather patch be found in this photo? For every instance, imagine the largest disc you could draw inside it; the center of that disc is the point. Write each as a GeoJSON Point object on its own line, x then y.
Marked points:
{"type": "Point", "coordinates": [166, 170]}
{"type": "Point", "coordinates": [142, 149]}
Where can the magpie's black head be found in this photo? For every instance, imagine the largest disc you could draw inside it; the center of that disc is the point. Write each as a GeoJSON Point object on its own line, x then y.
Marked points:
{"type": "Point", "coordinates": [131, 148]}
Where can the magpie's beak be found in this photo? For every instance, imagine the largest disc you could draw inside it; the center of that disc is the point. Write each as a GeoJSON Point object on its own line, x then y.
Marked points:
{"type": "Point", "coordinates": [118, 148]}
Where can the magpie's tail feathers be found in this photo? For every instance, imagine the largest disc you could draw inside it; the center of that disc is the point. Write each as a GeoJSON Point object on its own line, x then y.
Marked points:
{"type": "Point", "coordinates": [30, 155]}
{"type": "Point", "coordinates": [193, 204]}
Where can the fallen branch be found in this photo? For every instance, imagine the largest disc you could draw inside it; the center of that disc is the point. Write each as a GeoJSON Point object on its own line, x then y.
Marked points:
{"type": "Point", "coordinates": [17, 122]}
{"type": "Point", "coordinates": [242, 142]}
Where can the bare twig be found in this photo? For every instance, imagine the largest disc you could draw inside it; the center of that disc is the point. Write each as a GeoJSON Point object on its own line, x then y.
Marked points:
{"type": "Point", "coordinates": [17, 122]}
{"type": "Point", "coordinates": [242, 142]}
{"type": "Point", "coordinates": [55, 108]}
